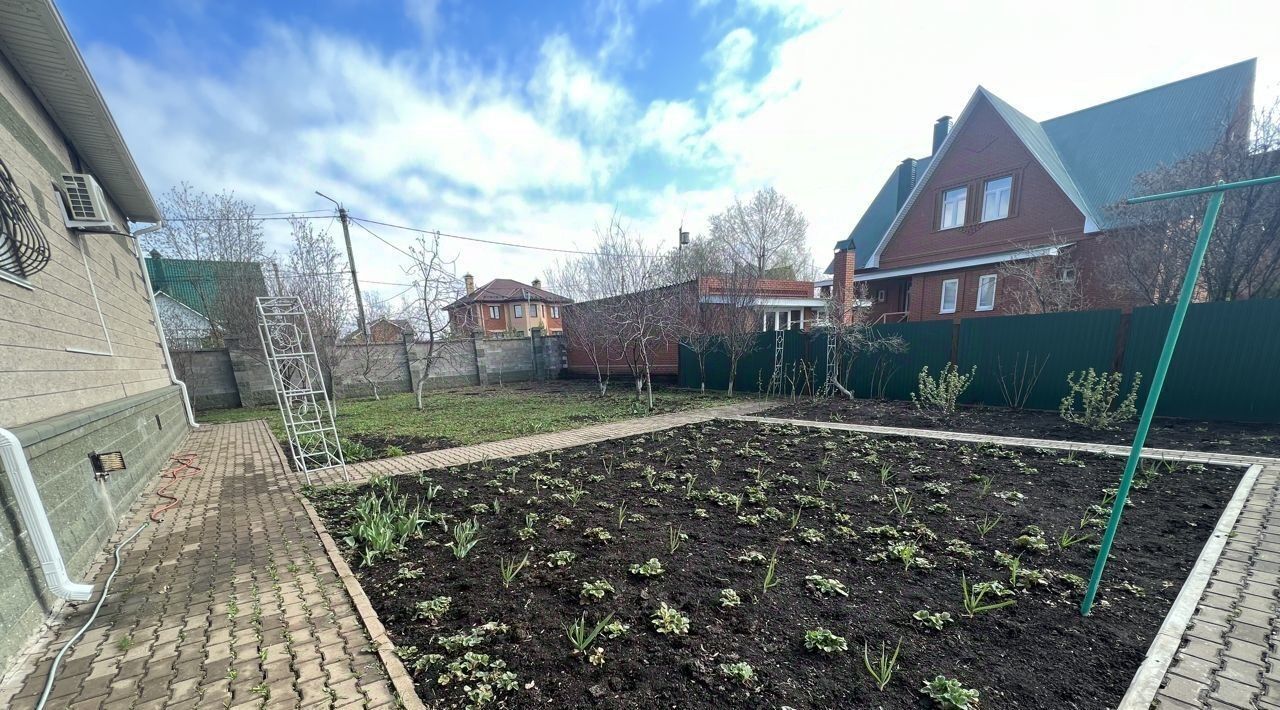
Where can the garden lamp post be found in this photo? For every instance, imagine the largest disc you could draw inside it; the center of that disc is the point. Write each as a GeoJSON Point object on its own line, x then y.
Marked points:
{"type": "Point", "coordinates": [1215, 193]}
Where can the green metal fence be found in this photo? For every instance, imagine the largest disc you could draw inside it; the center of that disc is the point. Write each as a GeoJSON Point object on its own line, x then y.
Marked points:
{"type": "Point", "coordinates": [1227, 366]}
{"type": "Point", "coordinates": [1034, 352]}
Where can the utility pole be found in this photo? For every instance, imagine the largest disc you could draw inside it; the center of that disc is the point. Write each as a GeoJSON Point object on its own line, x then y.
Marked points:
{"type": "Point", "coordinates": [351, 261]}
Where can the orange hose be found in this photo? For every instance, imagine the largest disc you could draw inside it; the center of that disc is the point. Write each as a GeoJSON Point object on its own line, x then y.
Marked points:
{"type": "Point", "coordinates": [178, 470]}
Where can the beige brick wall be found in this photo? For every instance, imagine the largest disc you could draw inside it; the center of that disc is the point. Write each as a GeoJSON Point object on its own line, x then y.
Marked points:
{"type": "Point", "coordinates": [39, 376]}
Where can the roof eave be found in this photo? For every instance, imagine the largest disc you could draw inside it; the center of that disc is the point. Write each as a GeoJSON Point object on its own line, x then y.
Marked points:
{"type": "Point", "coordinates": [36, 41]}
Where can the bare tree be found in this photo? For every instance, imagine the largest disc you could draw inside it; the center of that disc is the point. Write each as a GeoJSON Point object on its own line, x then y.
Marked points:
{"type": "Point", "coordinates": [738, 317]}
{"type": "Point", "coordinates": [624, 292]}
{"type": "Point", "coordinates": [1149, 256]}
{"type": "Point", "coordinates": [767, 233]}
{"type": "Point", "coordinates": [371, 362]}
{"type": "Point", "coordinates": [1048, 284]}
{"type": "Point", "coordinates": [198, 225]}
{"type": "Point", "coordinates": [315, 275]}
{"type": "Point", "coordinates": [848, 320]}
{"type": "Point", "coordinates": [435, 285]}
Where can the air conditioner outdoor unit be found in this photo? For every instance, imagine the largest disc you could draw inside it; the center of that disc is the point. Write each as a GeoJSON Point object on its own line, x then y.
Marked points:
{"type": "Point", "coordinates": [83, 204]}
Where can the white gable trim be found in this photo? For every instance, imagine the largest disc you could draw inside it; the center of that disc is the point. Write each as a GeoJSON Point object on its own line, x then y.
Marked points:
{"type": "Point", "coordinates": [874, 260]}
{"type": "Point", "coordinates": [962, 263]}
{"type": "Point", "coordinates": [1090, 225]}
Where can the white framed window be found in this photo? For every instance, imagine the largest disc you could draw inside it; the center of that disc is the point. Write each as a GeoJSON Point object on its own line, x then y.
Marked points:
{"type": "Point", "coordinates": [995, 198]}
{"type": "Point", "coordinates": [555, 311]}
{"type": "Point", "coordinates": [1067, 274]}
{"type": "Point", "coordinates": [494, 312]}
{"type": "Point", "coordinates": [954, 202]}
{"type": "Point", "coordinates": [986, 292]}
{"type": "Point", "coordinates": [518, 311]}
{"type": "Point", "coordinates": [950, 291]}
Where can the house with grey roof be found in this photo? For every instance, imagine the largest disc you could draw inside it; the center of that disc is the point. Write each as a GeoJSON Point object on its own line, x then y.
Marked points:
{"type": "Point", "coordinates": [1000, 187]}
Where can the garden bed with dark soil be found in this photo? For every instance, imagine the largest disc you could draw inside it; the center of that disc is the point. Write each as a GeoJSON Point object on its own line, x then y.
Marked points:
{"type": "Point", "coordinates": [886, 527]}
{"type": "Point", "coordinates": [398, 445]}
{"type": "Point", "coordinates": [1188, 435]}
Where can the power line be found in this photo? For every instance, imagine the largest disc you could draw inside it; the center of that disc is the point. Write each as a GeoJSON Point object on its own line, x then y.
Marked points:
{"type": "Point", "coordinates": [514, 245]}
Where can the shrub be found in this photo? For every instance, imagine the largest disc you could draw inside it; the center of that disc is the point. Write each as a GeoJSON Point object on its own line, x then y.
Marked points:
{"type": "Point", "coordinates": [668, 620]}
{"type": "Point", "coordinates": [652, 568]}
{"type": "Point", "coordinates": [1097, 394]}
{"type": "Point", "coordinates": [741, 672]}
{"type": "Point", "coordinates": [825, 641]}
{"type": "Point", "coordinates": [937, 396]}
{"type": "Point", "coordinates": [950, 694]}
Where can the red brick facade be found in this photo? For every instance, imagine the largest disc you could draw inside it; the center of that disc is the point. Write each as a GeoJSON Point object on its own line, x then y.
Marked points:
{"type": "Point", "coordinates": [1039, 215]}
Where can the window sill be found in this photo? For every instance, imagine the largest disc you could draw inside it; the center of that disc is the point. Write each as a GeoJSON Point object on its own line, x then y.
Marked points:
{"type": "Point", "coordinates": [985, 310]}
{"type": "Point", "coordinates": [15, 279]}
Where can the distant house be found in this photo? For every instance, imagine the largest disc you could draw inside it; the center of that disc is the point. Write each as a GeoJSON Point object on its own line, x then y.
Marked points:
{"type": "Point", "coordinates": [185, 328]}
{"type": "Point", "coordinates": [506, 307]}
{"type": "Point", "coordinates": [220, 291]}
{"type": "Point", "coordinates": [780, 304]}
{"type": "Point", "coordinates": [385, 330]}
{"type": "Point", "coordinates": [1000, 187]}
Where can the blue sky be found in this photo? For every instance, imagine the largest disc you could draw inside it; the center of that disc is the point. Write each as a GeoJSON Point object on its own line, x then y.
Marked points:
{"type": "Point", "coordinates": [532, 122]}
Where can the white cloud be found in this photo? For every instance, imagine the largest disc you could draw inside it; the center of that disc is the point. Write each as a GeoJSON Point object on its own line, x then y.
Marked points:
{"type": "Point", "coordinates": [425, 14]}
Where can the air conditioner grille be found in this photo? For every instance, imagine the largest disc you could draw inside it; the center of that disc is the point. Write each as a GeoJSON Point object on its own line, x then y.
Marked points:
{"type": "Point", "coordinates": [80, 198]}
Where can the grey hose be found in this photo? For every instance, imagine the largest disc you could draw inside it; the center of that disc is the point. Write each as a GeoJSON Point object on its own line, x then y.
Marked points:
{"type": "Point", "coordinates": [53, 670]}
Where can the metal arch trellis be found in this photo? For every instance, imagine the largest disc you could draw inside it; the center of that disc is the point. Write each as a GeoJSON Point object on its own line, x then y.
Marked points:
{"type": "Point", "coordinates": [775, 379]}
{"type": "Point", "coordinates": [299, 385]}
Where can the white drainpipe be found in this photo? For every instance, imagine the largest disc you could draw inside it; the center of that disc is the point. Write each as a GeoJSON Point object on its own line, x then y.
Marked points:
{"type": "Point", "coordinates": [37, 522]}
{"type": "Point", "coordinates": [155, 313]}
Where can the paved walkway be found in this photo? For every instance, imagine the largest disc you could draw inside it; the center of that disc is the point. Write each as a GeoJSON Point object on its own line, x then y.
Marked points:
{"type": "Point", "coordinates": [230, 601]}
{"type": "Point", "coordinates": [1229, 656]}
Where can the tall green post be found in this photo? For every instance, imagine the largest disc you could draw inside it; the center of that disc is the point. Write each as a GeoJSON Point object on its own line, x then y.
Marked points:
{"type": "Point", "coordinates": [1162, 367]}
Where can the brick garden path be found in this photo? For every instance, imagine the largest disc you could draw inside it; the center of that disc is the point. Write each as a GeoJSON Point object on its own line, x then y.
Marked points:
{"type": "Point", "coordinates": [1230, 653]}
{"type": "Point", "coordinates": [231, 601]}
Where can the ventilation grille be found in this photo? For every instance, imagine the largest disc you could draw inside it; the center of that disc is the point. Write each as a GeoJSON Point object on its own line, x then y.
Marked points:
{"type": "Point", "coordinates": [84, 199]}
{"type": "Point", "coordinates": [23, 249]}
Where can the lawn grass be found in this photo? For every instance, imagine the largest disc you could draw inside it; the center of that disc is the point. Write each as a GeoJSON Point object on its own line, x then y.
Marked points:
{"type": "Point", "coordinates": [476, 415]}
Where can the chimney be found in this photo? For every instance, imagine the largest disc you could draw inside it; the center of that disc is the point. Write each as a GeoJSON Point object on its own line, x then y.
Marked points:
{"type": "Point", "coordinates": [537, 283]}
{"type": "Point", "coordinates": [906, 180]}
{"type": "Point", "coordinates": [940, 130]}
{"type": "Point", "coordinates": [470, 281]}
{"type": "Point", "coordinates": [842, 288]}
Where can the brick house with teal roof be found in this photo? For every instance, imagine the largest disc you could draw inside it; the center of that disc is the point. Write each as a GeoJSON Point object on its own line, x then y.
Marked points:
{"type": "Point", "coordinates": [1000, 187]}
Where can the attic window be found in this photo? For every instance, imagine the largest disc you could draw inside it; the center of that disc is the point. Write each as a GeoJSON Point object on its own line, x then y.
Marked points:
{"type": "Point", "coordinates": [954, 202]}
{"type": "Point", "coordinates": [995, 198]}
{"type": "Point", "coordinates": [23, 249]}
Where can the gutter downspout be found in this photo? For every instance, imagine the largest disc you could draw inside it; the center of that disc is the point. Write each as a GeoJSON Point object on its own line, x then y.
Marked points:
{"type": "Point", "coordinates": [37, 522]}
{"type": "Point", "coordinates": [155, 313]}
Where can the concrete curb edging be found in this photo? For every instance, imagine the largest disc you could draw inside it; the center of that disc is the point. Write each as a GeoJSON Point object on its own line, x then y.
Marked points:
{"type": "Point", "coordinates": [1146, 682]}
{"type": "Point", "coordinates": [396, 672]}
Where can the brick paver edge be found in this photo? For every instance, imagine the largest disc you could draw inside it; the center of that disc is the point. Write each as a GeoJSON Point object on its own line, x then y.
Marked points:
{"type": "Point", "coordinates": [396, 672]}
{"type": "Point", "coordinates": [1168, 641]}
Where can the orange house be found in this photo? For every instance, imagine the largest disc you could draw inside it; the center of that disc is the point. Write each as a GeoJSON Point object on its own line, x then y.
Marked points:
{"type": "Point", "coordinates": [505, 307]}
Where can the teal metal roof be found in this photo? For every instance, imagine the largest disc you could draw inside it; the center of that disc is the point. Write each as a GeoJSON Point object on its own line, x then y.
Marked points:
{"type": "Point", "coordinates": [880, 213]}
{"type": "Point", "coordinates": [1095, 154]}
{"type": "Point", "coordinates": [1105, 147]}
{"type": "Point", "coordinates": [199, 284]}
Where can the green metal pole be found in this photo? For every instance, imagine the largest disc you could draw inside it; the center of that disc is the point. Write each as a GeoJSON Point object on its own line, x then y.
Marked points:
{"type": "Point", "coordinates": [1153, 396]}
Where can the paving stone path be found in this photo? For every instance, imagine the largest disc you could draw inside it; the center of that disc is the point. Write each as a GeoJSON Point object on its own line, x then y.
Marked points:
{"type": "Point", "coordinates": [1230, 652]}
{"type": "Point", "coordinates": [230, 601]}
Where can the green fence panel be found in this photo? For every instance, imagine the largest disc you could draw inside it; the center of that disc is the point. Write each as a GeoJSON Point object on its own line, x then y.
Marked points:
{"type": "Point", "coordinates": [1011, 349]}
{"type": "Point", "coordinates": [1226, 363]}
{"type": "Point", "coordinates": [893, 375]}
